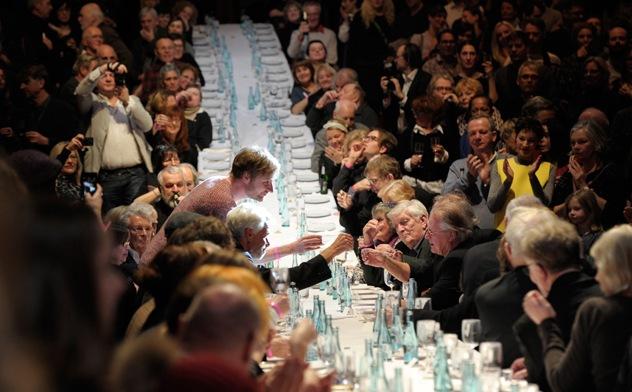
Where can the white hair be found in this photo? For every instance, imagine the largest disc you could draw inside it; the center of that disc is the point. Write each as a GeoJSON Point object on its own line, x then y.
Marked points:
{"type": "Point", "coordinates": [192, 169]}
{"type": "Point", "coordinates": [613, 256]}
{"type": "Point", "coordinates": [521, 201]}
{"type": "Point", "coordinates": [148, 11]}
{"type": "Point", "coordinates": [169, 170]}
{"type": "Point", "coordinates": [144, 210]}
{"type": "Point", "coordinates": [414, 208]}
{"type": "Point", "coordinates": [246, 216]}
{"type": "Point", "coordinates": [523, 218]}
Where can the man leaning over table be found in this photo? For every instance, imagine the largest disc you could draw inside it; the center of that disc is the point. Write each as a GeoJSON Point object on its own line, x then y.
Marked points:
{"type": "Point", "coordinates": [251, 176]}
{"type": "Point", "coordinates": [248, 224]}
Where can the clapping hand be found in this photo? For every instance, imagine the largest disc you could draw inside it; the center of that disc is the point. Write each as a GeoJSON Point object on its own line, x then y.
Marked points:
{"type": "Point", "coordinates": [508, 171]}
{"type": "Point", "coordinates": [577, 171]}
{"type": "Point", "coordinates": [344, 200]}
{"type": "Point", "coordinates": [535, 166]}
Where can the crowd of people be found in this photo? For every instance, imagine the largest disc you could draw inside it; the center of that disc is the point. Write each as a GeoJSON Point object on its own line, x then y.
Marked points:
{"type": "Point", "coordinates": [483, 148]}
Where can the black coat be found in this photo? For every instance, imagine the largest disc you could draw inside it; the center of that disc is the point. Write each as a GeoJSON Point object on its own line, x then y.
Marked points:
{"type": "Point", "coordinates": [476, 264]}
{"type": "Point", "coordinates": [417, 88]}
{"type": "Point", "coordinates": [566, 295]}
{"type": "Point", "coordinates": [304, 275]}
{"type": "Point", "coordinates": [499, 305]}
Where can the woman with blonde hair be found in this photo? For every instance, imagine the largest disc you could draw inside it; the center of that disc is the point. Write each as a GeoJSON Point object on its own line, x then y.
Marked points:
{"type": "Point", "coordinates": [68, 181]}
{"type": "Point", "coordinates": [396, 191]}
{"type": "Point", "coordinates": [500, 53]}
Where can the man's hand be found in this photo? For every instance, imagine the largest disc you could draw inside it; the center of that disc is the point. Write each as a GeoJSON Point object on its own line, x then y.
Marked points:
{"type": "Point", "coordinates": [123, 94]}
{"type": "Point", "coordinates": [519, 369]}
{"type": "Point", "coordinates": [95, 202]}
{"type": "Point", "coordinates": [36, 137]}
{"type": "Point", "coordinates": [537, 307]}
{"type": "Point", "coordinates": [362, 185]}
{"type": "Point", "coordinates": [373, 257]}
{"type": "Point", "coordinates": [47, 42]}
{"type": "Point", "coordinates": [303, 29]}
{"type": "Point", "coordinates": [147, 35]}
{"type": "Point", "coordinates": [342, 243]}
{"type": "Point", "coordinates": [415, 160]}
{"type": "Point", "coordinates": [62, 31]}
{"type": "Point", "coordinates": [344, 200]}
{"type": "Point", "coordinates": [474, 164]}
{"type": "Point", "coordinates": [329, 96]}
{"type": "Point", "coordinates": [306, 243]}
{"type": "Point", "coordinates": [287, 377]}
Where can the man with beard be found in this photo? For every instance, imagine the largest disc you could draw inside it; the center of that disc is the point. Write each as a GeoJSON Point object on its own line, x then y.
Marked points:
{"type": "Point", "coordinates": [251, 176]}
{"type": "Point", "coordinates": [172, 189]}
{"type": "Point", "coordinates": [248, 224]}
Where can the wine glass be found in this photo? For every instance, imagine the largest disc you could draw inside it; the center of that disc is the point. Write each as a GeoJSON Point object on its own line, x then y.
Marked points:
{"type": "Point", "coordinates": [471, 332]}
{"type": "Point", "coordinates": [388, 280]}
{"type": "Point", "coordinates": [425, 331]}
{"type": "Point", "coordinates": [279, 279]}
{"type": "Point", "coordinates": [491, 355]}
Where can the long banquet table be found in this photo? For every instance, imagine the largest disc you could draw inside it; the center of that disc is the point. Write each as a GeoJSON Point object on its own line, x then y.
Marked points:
{"type": "Point", "coordinates": [240, 62]}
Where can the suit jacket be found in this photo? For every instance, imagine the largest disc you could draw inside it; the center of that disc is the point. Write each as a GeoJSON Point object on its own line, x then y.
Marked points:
{"type": "Point", "coordinates": [417, 88]}
{"type": "Point", "coordinates": [498, 305]}
{"type": "Point", "coordinates": [566, 295]}
{"type": "Point", "coordinates": [479, 265]}
{"type": "Point", "coordinates": [421, 262]}
{"type": "Point", "coordinates": [304, 275]}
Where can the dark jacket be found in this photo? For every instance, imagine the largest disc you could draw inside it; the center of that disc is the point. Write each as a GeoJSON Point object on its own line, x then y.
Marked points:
{"type": "Point", "coordinates": [567, 293]}
{"type": "Point", "coordinates": [499, 305]}
{"type": "Point", "coordinates": [473, 261]}
{"type": "Point", "coordinates": [304, 275]}
{"type": "Point", "coordinates": [417, 88]}
{"type": "Point", "coordinates": [590, 362]}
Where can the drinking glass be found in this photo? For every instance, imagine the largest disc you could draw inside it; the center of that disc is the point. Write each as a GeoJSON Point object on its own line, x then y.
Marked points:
{"type": "Point", "coordinates": [424, 303]}
{"type": "Point", "coordinates": [450, 340]}
{"type": "Point", "coordinates": [491, 355]}
{"type": "Point", "coordinates": [425, 331]}
{"type": "Point", "coordinates": [279, 279]}
{"type": "Point", "coordinates": [388, 280]}
{"type": "Point", "coordinates": [471, 332]}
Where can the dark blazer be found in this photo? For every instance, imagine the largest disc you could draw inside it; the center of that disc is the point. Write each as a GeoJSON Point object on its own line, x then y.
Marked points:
{"type": "Point", "coordinates": [566, 295]}
{"type": "Point", "coordinates": [304, 275]}
{"type": "Point", "coordinates": [590, 362]}
{"type": "Point", "coordinates": [421, 262]}
{"type": "Point", "coordinates": [499, 305]}
{"type": "Point", "coordinates": [446, 287]}
{"type": "Point", "coordinates": [418, 87]}
{"type": "Point", "coordinates": [479, 265]}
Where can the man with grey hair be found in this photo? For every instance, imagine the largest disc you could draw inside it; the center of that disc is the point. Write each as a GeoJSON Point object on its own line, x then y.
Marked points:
{"type": "Point", "coordinates": [471, 175]}
{"type": "Point", "coordinates": [141, 220]}
{"type": "Point", "coordinates": [143, 45]}
{"type": "Point", "coordinates": [172, 190]}
{"type": "Point", "coordinates": [499, 301]}
{"type": "Point", "coordinates": [552, 254]}
{"type": "Point", "coordinates": [411, 256]}
{"type": "Point", "coordinates": [221, 320]}
{"type": "Point", "coordinates": [452, 232]}
{"type": "Point", "coordinates": [249, 225]}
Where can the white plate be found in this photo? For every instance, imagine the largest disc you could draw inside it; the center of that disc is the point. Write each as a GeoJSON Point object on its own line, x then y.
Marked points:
{"type": "Point", "coordinates": [211, 155]}
{"type": "Point", "coordinates": [278, 103]}
{"type": "Point", "coordinates": [306, 176]}
{"type": "Point", "coordinates": [320, 226]}
{"type": "Point", "coordinates": [301, 163]}
{"type": "Point", "coordinates": [316, 198]}
{"type": "Point", "coordinates": [298, 142]}
{"type": "Point", "coordinates": [212, 104]}
{"type": "Point", "coordinates": [317, 211]}
{"type": "Point", "coordinates": [278, 78]}
{"type": "Point", "coordinates": [276, 70]}
{"type": "Point", "coordinates": [214, 165]}
{"type": "Point", "coordinates": [265, 38]}
{"type": "Point", "coordinates": [292, 132]}
{"type": "Point", "coordinates": [293, 121]}
{"type": "Point", "coordinates": [308, 187]}
{"type": "Point", "coordinates": [272, 61]}
{"type": "Point", "coordinates": [270, 52]}
{"type": "Point", "coordinates": [301, 153]}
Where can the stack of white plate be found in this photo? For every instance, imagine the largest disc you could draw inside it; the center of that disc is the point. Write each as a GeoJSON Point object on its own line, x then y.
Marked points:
{"type": "Point", "coordinates": [295, 120]}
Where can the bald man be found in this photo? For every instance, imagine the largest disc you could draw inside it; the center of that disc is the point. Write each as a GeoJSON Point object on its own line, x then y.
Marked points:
{"type": "Point", "coordinates": [345, 112]}
{"type": "Point", "coordinates": [91, 39]}
{"type": "Point", "coordinates": [106, 54]}
{"type": "Point", "coordinates": [91, 15]}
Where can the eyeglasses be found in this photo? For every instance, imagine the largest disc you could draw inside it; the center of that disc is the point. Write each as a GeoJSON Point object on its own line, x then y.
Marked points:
{"type": "Point", "coordinates": [140, 229]}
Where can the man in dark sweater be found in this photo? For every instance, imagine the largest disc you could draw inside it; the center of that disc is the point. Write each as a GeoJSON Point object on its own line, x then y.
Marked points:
{"type": "Point", "coordinates": [554, 266]}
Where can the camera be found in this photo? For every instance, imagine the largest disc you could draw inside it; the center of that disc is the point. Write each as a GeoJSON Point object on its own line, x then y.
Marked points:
{"type": "Point", "coordinates": [120, 79]}
{"type": "Point", "coordinates": [389, 71]}
{"type": "Point", "coordinates": [89, 187]}
{"type": "Point", "coordinates": [88, 141]}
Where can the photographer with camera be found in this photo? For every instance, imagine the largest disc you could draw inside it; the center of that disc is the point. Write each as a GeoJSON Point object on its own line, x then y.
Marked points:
{"type": "Point", "coordinates": [402, 82]}
{"type": "Point", "coordinates": [120, 157]}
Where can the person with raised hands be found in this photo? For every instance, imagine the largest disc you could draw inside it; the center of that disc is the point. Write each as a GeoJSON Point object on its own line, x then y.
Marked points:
{"type": "Point", "coordinates": [120, 157]}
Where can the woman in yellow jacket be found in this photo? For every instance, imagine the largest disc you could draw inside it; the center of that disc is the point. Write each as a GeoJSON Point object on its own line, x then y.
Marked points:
{"type": "Point", "coordinates": [526, 173]}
